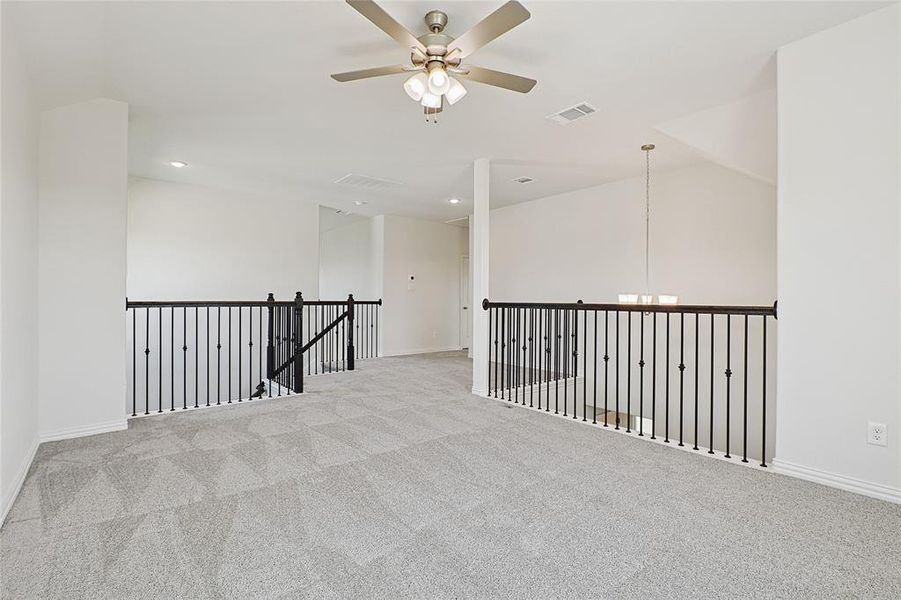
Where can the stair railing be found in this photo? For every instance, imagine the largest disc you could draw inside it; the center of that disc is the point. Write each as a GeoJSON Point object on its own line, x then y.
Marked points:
{"type": "Point", "coordinates": [683, 374]}
{"type": "Point", "coordinates": [207, 353]}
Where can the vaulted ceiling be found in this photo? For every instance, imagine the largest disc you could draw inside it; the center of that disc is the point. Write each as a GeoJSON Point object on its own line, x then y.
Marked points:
{"type": "Point", "coordinates": [241, 90]}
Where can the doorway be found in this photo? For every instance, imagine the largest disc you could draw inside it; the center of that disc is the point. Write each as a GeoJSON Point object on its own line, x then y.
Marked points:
{"type": "Point", "coordinates": [465, 311]}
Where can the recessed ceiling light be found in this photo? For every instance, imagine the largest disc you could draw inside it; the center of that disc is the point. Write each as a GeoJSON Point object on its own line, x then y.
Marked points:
{"type": "Point", "coordinates": [177, 164]}
{"type": "Point", "coordinates": [454, 201]}
{"type": "Point", "coordinates": [359, 202]}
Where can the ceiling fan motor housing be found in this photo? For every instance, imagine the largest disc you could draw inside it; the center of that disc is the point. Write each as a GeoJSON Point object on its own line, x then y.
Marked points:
{"type": "Point", "coordinates": [435, 20]}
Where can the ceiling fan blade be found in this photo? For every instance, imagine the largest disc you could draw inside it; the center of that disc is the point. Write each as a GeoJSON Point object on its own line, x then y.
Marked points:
{"type": "Point", "coordinates": [498, 78]}
{"type": "Point", "coordinates": [367, 73]}
{"type": "Point", "coordinates": [386, 23]}
{"type": "Point", "coordinates": [494, 25]}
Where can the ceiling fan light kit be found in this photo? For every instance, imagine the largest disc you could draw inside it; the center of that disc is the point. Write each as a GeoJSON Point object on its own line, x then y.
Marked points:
{"type": "Point", "coordinates": [435, 56]}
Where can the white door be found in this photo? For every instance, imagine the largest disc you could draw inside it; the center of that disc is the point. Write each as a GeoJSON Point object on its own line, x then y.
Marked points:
{"type": "Point", "coordinates": [465, 309]}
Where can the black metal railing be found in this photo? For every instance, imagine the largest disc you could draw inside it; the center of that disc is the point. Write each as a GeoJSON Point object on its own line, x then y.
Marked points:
{"type": "Point", "coordinates": [687, 374]}
{"type": "Point", "coordinates": [188, 354]}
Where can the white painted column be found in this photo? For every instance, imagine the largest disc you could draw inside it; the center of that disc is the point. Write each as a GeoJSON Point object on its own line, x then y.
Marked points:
{"type": "Point", "coordinates": [479, 232]}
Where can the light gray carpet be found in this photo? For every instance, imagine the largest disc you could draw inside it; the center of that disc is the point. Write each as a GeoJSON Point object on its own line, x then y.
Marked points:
{"type": "Point", "coordinates": [395, 482]}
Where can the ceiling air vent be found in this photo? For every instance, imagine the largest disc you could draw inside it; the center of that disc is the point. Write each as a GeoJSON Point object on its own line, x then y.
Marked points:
{"type": "Point", "coordinates": [523, 180]}
{"type": "Point", "coordinates": [573, 113]}
{"type": "Point", "coordinates": [368, 183]}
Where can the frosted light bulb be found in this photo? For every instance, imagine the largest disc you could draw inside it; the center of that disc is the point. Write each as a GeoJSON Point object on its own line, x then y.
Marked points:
{"type": "Point", "coordinates": [430, 100]}
{"type": "Point", "coordinates": [455, 92]}
{"type": "Point", "coordinates": [416, 86]}
{"type": "Point", "coordinates": [439, 82]}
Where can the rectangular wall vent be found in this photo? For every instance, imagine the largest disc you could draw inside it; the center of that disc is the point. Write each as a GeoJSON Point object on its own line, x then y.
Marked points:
{"type": "Point", "coordinates": [573, 113]}
{"type": "Point", "coordinates": [523, 180]}
{"type": "Point", "coordinates": [366, 182]}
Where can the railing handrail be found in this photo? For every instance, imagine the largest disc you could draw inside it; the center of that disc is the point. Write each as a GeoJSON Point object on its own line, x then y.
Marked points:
{"type": "Point", "coordinates": [704, 309]}
{"type": "Point", "coordinates": [236, 303]}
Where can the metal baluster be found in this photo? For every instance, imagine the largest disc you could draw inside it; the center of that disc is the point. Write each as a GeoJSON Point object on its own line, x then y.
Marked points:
{"type": "Point", "coordinates": [218, 355]}
{"type": "Point", "coordinates": [134, 362]}
{"type": "Point", "coordinates": [585, 366]}
{"type": "Point", "coordinates": [160, 407]}
{"type": "Point", "coordinates": [531, 322]}
{"type": "Point", "coordinates": [556, 361]}
{"type": "Point", "coordinates": [524, 349]}
{"type": "Point", "coordinates": [507, 358]}
{"type": "Point", "coordinates": [629, 372]}
{"type": "Point", "coordinates": [728, 378]}
{"type": "Point", "coordinates": [565, 360]}
{"type": "Point", "coordinates": [641, 376]}
{"type": "Point", "coordinates": [681, 372]}
{"type": "Point", "coordinates": [575, 355]}
{"type": "Point", "coordinates": [249, 353]}
{"type": "Point", "coordinates": [654, 377]}
{"type": "Point", "coordinates": [503, 318]}
{"type": "Point", "coordinates": [539, 350]}
{"type": "Point", "coordinates": [606, 360]}
{"type": "Point", "coordinates": [548, 340]}
{"type": "Point", "coordinates": [594, 416]}
{"type": "Point", "coordinates": [744, 437]}
{"type": "Point", "coordinates": [496, 347]}
{"type": "Point", "coordinates": [697, 331]}
{"type": "Point", "coordinates": [207, 355]}
{"type": "Point", "coordinates": [260, 352]}
{"type": "Point", "coordinates": [316, 325]}
{"type": "Point", "coordinates": [229, 354]}
{"type": "Point", "coordinates": [616, 354]}
{"type": "Point", "coordinates": [147, 362]}
{"type": "Point", "coordinates": [196, 354]}
{"type": "Point", "coordinates": [763, 403]}
{"type": "Point", "coordinates": [712, 320]}
{"type": "Point", "coordinates": [515, 352]}
{"type": "Point", "coordinates": [171, 357]}
{"type": "Point", "coordinates": [279, 337]}
{"type": "Point", "coordinates": [184, 358]}
{"type": "Point", "coordinates": [666, 380]}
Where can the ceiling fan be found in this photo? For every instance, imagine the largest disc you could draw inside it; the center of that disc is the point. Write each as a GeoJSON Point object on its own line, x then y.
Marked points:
{"type": "Point", "coordinates": [436, 56]}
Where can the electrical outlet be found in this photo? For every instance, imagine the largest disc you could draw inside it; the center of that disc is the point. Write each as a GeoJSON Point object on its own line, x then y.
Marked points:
{"type": "Point", "coordinates": [877, 434]}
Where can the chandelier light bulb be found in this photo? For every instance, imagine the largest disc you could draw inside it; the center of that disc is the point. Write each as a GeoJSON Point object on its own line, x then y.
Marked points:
{"type": "Point", "coordinates": [455, 91]}
{"type": "Point", "coordinates": [416, 86]}
{"type": "Point", "coordinates": [439, 82]}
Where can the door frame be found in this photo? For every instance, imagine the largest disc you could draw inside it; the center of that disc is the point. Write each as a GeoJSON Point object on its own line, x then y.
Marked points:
{"type": "Point", "coordinates": [465, 309]}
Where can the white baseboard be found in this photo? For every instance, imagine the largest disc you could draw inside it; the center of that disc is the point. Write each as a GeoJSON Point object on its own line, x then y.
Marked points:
{"type": "Point", "coordinates": [842, 482]}
{"type": "Point", "coordinates": [18, 481]}
{"type": "Point", "coordinates": [74, 432]}
{"type": "Point", "coordinates": [410, 351]}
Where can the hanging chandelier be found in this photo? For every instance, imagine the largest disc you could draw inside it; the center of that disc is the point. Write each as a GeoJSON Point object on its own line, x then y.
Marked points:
{"type": "Point", "coordinates": [647, 297]}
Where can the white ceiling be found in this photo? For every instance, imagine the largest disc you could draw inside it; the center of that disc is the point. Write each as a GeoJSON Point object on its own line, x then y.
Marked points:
{"type": "Point", "coordinates": [241, 91]}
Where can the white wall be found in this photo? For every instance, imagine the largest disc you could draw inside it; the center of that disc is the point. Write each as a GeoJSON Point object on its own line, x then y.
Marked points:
{"type": "Point", "coordinates": [839, 297]}
{"type": "Point", "coordinates": [423, 314]}
{"type": "Point", "coordinates": [19, 127]}
{"type": "Point", "coordinates": [81, 332]}
{"type": "Point", "coordinates": [345, 262]}
{"type": "Point", "coordinates": [713, 241]}
{"type": "Point", "coordinates": [740, 135]}
{"type": "Point", "coordinates": [191, 242]}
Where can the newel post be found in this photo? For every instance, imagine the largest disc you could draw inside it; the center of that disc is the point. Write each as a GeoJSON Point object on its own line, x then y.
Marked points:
{"type": "Point", "coordinates": [270, 344]}
{"type": "Point", "coordinates": [298, 343]}
{"type": "Point", "coordinates": [350, 332]}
